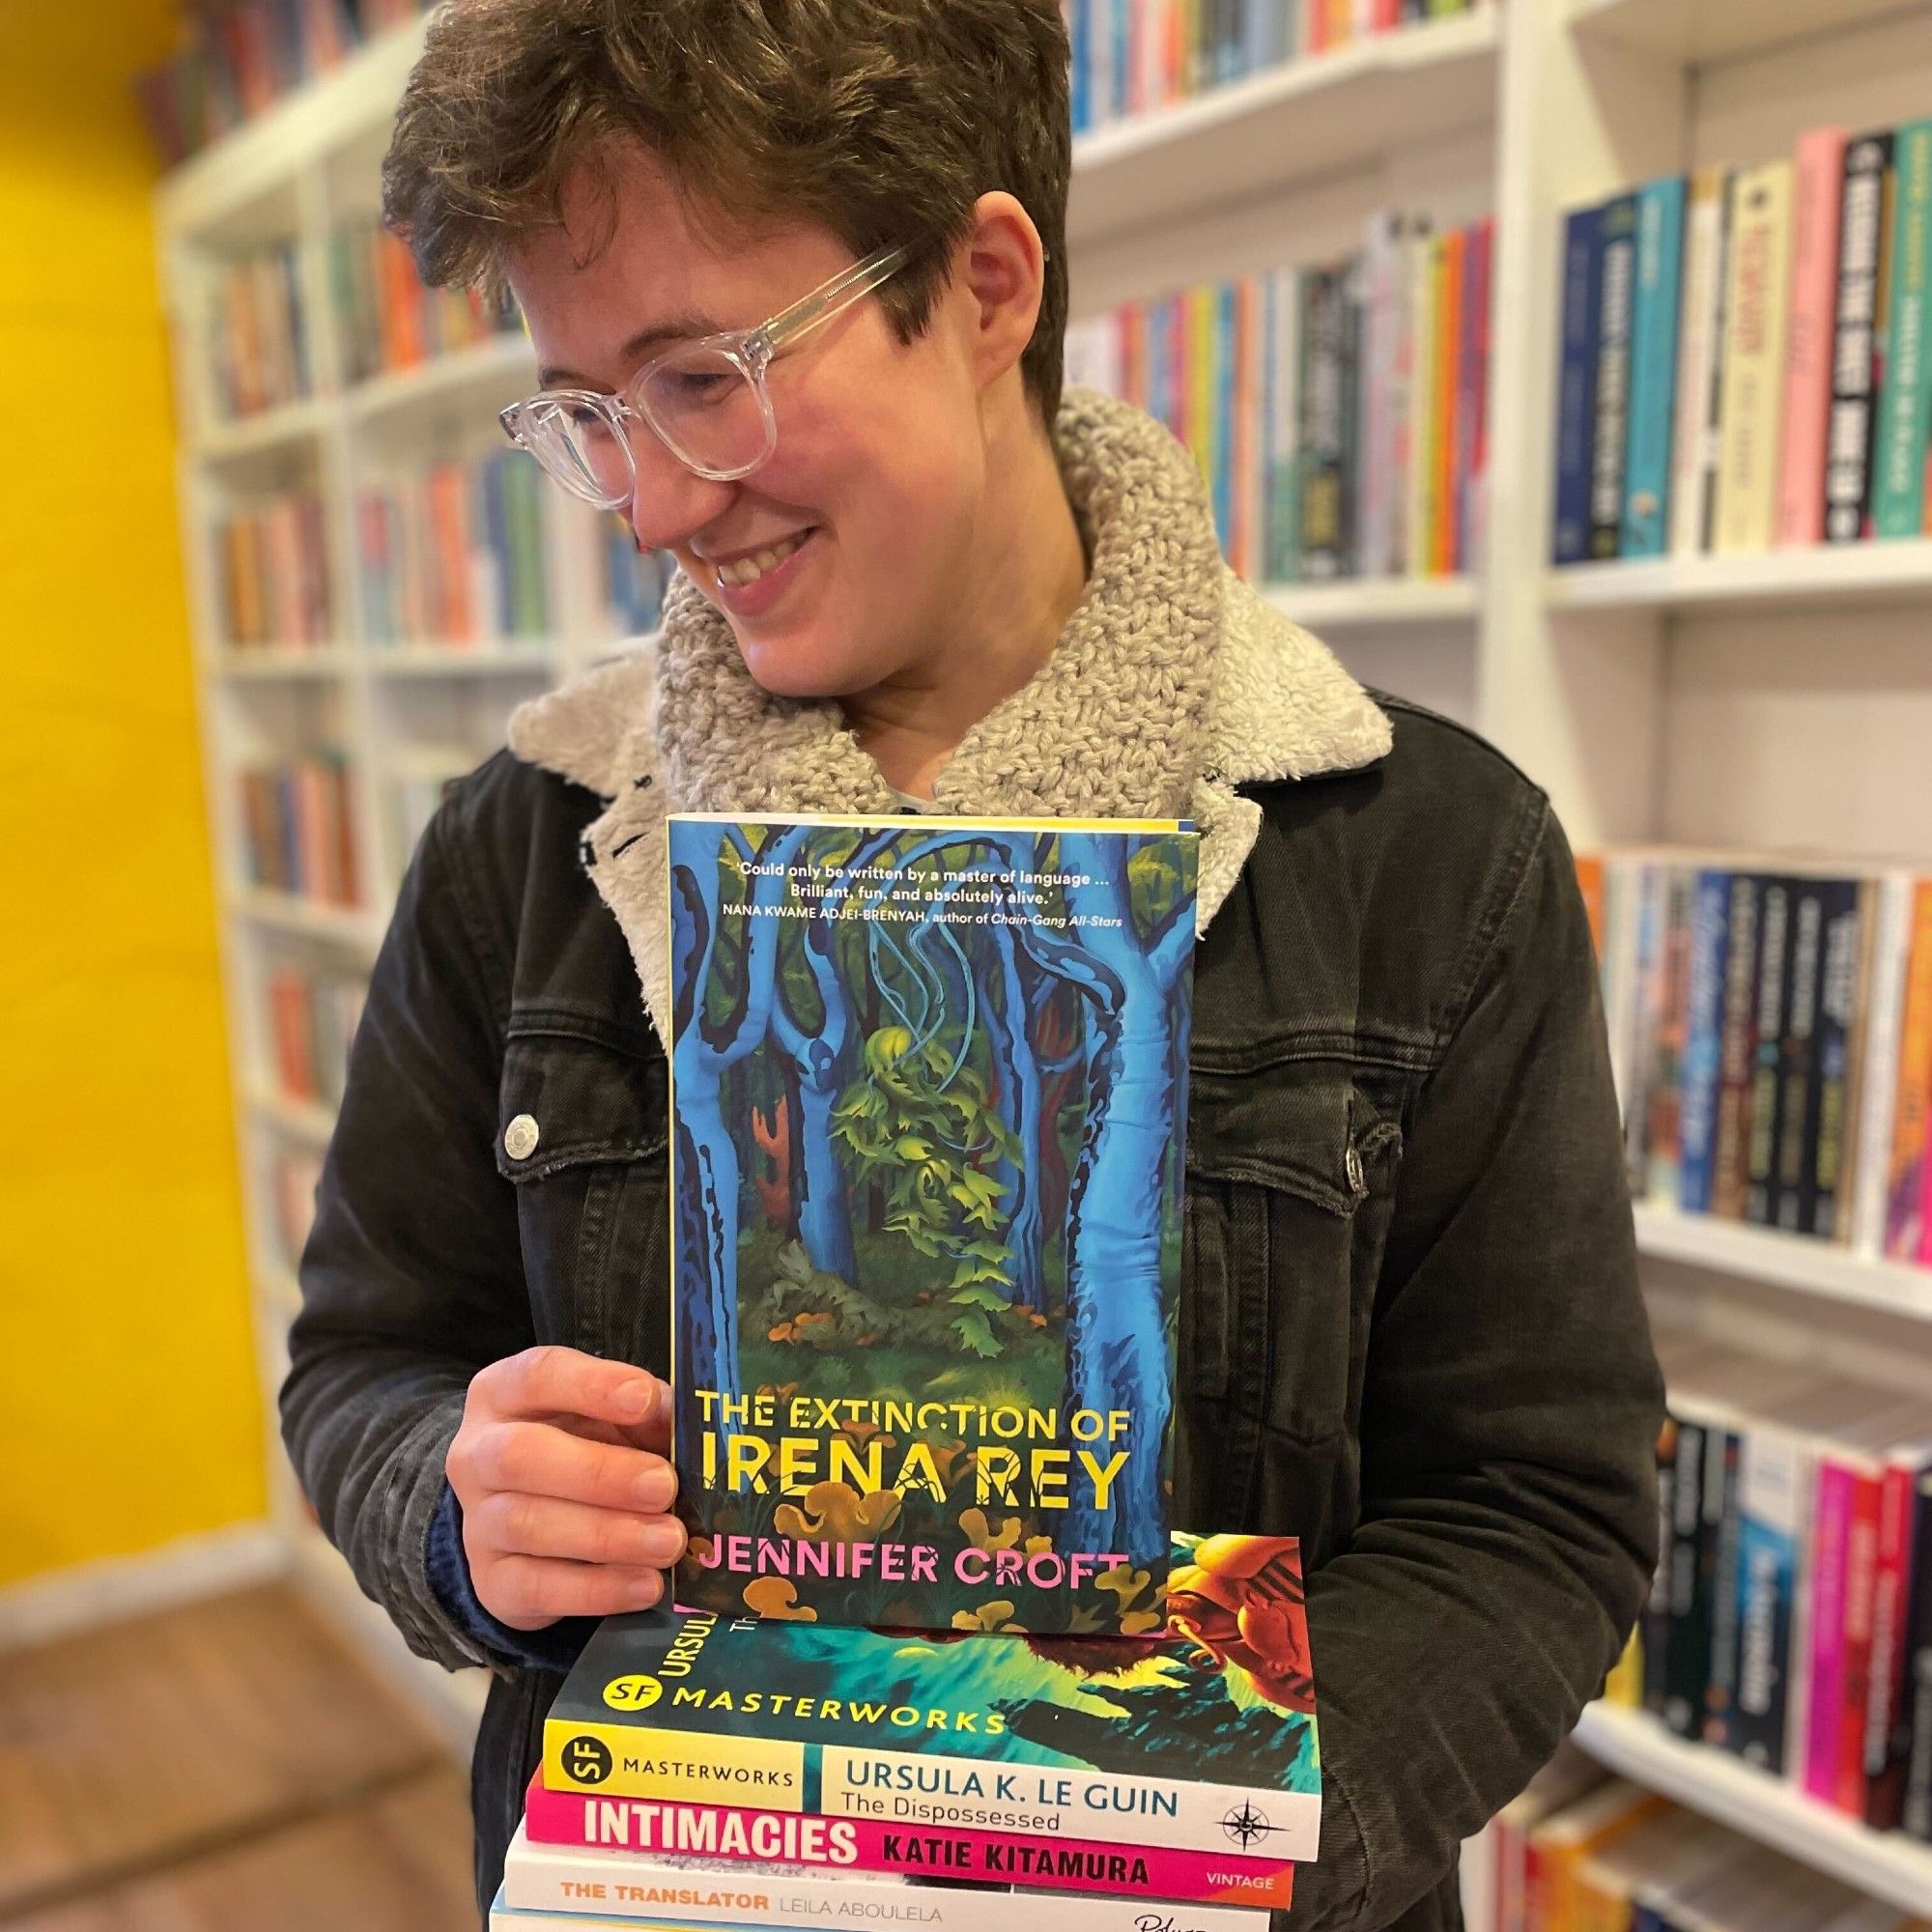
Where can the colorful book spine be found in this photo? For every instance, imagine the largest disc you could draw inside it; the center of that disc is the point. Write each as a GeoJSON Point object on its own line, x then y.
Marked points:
{"type": "Point", "coordinates": [1842, 978]}
{"type": "Point", "coordinates": [1381, 323]}
{"type": "Point", "coordinates": [1831, 1553]}
{"type": "Point", "coordinates": [1322, 456]}
{"type": "Point", "coordinates": [1283, 562]}
{"type": "Point", "coordinates": [1577, 383]}
{"type": "Point", "coordinates": [1774, 997]}
{"type": "Point", "coordinates": [1444, 524]}
{"type": "Point", "coordinates": [1756, 308]}
{"type": "Point", "coordinates": [668, 1827]}
{"type": "Point", "coordinates": [1797, 1063]}
{"type": "Point", "coordinates": [1609, 436]}
{"type": "Point", "coordinates": [1848, 1788]}
{"type": "Point", "coordinates": [1887, 1744]}
{"type": "Point", "coordinates": [1710, 929]}
{"type": "Point", "coordinates": [1774, 1490]}
{"type": "Point", "coordinates": [1915, 1713]}
{"type": "Point", "coordinates": [1654, 323]}
{"type": "Point", "coordinates": [1424, 259]}
{"type": "Point", "coordinates": [1817, 195]}
{"type": "Point", "coordinates": [1904, 423]}
{"type": "Point", "coordinates": [1472, 401]}
{"type": "Point", "coordinates": [1855, 342]}
{"type": "Point", "coordinates": [1730, 1167]}
{"type": "Point", "coordinates": [1906, 1221]}
{"type": "Point", "coordinates": [1878, 1086]}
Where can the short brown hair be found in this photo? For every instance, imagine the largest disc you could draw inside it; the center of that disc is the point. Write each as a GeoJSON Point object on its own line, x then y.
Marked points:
{"type": "Point", "coordinates": [880, 120]}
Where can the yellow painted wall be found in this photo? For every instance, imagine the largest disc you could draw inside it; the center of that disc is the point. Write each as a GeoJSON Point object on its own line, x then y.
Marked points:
{"type": "Point", "coordinates": [128, 1412]}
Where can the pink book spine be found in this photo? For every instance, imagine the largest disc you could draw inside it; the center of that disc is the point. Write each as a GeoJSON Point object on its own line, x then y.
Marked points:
{"type": "Point", "coordinates": [867, 1844]}
{"type": "Point", "coordinates": [1830, 1544]}
{"type": "Point", "coordinates": [1808, 359]}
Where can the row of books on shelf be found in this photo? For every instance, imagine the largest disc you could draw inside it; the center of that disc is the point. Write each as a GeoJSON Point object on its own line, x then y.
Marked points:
{"type": "Point", "coordinates": [1338, 412]}
{"type": "Point", "coordinates": [1771, 1029]}
{"type": "Point", "coordinates": [1744, 361]}
{"type": "Point", "coordinates": [259, 353]}
{"type": "Point", "coordinates": [239, 61]}
{"type": "Point", "coordinates": [455, 552]}
{"type": "Point", "coordinates": [298, 828]}
{"type": "Point", "coordinates": [386, 319]}
{"type": "Point", "coordinates": [1790, 1622]}
{"type": "Point", "coordinates": [312, 1014]}
{"type": "Point", "coordinates": [1579, 1851]}
{"type": "Point", "coordinates": [1133, 56]}
{"type": "Point", "coordinates": [271, 574]}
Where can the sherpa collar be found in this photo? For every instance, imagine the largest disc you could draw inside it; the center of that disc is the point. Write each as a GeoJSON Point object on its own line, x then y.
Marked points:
{"type": "Point", "coordinates": [1173, 684]}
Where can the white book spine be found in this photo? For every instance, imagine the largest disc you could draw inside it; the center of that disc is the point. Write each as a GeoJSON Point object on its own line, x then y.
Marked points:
{"type": "Point", "coordinates": [1698, 346]}
{"type": "Point", "coordinates": [1623, 905]}
{"type": "Point", "coordinates": [1892, 945]}
{"type": "Point", "coordinates": [1377, 440]}
{"type": "Point", "coordinates": [1420, 413]}
{"type": "Point", "coordinates": [1284, 445]}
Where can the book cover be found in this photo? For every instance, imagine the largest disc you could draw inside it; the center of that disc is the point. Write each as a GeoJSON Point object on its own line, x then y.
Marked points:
{"type": "Point", "coordinates": [1854, 340]}
{"type": "Point", "coordinates": [694, 1889]}
{"type": "Point", "coordinates": [1904, 419]}
{"type": "Point", "coordinates": [1609, 436]}
{"type": "Point", "coordinates": [1203, 1738]}
{"type": "Point", "coordinates": [1578, 386]}
{"type": "Point", "coordinates": [1817, 198]}
{"type": "Point", "coordinates": [1755, 311]}
{"type": "Point", "coordinates": [928, 1095]}
{"type": "Point", "coordinates": [1652, 373]}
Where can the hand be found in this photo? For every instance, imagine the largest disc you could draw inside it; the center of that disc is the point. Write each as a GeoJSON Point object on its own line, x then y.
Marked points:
{"type": "Point", "coordinates": [560, 1467]}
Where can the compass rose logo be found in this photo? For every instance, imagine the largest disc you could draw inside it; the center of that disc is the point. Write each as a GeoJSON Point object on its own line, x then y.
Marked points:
{"type": "Point", "coordinates": [1245, 1825]}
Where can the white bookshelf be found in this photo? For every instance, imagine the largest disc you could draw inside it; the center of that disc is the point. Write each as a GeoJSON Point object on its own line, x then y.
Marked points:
{"type": "Point", "coordinates": [1776, 699]}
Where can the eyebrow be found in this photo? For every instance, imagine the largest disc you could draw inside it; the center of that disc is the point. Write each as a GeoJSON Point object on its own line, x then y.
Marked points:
{"type": "Point", "coordinates": [679, 329]}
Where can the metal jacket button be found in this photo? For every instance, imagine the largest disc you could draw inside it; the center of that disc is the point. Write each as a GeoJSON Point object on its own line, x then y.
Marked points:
{"type": "Point", "coordinates": [520, 1138]}
{"type": "Point", "coordinates": [1353, 1164]}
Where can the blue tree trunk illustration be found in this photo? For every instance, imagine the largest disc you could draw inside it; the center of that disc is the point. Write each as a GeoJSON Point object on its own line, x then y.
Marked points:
{"type": "Point", "coordinates": [1020, 1098]}
{"type": "Point", "coordinates": [1117, 1336]}
{"type": "Point", "coordinates": [820, 1059]}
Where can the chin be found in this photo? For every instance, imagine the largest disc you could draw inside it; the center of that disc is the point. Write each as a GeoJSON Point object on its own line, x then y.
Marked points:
{"type": "Point", "coordinates": [803, 669]}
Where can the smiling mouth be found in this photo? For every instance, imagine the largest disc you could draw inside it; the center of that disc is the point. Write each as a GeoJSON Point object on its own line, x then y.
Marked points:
{"type": "Point", "coordinates": [744, 570]}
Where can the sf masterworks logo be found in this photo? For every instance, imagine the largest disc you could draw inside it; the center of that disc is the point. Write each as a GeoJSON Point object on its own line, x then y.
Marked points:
{"type": "Point", "coordinates": [586, 1760]}
{"type": "Point", "coordinates": [1248, 1825]}
{"type": "Point", "coordinates": [633, 1693]}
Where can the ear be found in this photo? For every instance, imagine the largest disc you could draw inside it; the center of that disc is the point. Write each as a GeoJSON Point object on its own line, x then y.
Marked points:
{"type": "Point", "coordinates": [1000, 268]}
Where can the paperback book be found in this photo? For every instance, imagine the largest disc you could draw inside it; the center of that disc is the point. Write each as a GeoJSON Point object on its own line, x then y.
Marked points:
{"type": "Point", "coordinates": [1200, 1740]}
{"type": "Point", "coordinates": [928, 1090]}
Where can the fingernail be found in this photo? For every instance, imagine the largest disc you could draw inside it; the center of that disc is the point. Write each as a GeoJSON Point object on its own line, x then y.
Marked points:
{"type": "Point", "coordinates": [663, 1541]}
{"type": "Point", "coordinates": [656, 1488]}
{"type": "Point", "coordinates": [637, 1397]}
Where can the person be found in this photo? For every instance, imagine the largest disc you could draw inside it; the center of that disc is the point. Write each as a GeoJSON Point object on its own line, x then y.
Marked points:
{"type": "Point", "coordinates": [795, 272]}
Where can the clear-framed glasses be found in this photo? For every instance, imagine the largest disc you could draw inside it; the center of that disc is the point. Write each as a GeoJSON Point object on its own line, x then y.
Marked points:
{"type": "Point", "coordinates": [704, 400]}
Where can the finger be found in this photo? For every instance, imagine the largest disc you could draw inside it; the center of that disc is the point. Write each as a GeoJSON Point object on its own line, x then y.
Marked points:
{"type": "Point", "coordinates": [514, 1524]}
{"type": "Point", "coordinates": [540, 1459]}
{"type": "Point", "coordinates": [527, 1592]}
{"type": "Point", "coordinates": [551, 1381]}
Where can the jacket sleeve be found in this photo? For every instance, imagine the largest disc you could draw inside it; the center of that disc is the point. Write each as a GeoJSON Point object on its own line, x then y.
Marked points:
{"type": "Point", "coordinates": [412, 1276]}
{"type": "Point", "coordinates": [1510, 1418]}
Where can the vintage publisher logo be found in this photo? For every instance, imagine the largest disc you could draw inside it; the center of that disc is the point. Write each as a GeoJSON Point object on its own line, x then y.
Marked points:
{"type": "Point", "coordinates": [633, 1693]}
{"type": "Point", "coordinates": [586, 1760]}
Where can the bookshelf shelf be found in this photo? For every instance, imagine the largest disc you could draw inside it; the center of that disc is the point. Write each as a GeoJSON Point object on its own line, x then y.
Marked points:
{"type": "Point", "coordinates": [532, 660]}
{"type": "Point", "coordinates": [1636, 1746]}
{"type": "Point", "coordinates": [1716, 30]}
{"type": "Point", "coordinates": [259, 435]}
{"type": "Point", "coordinates": [307, 919]}
{"type": "Point", "coordinates": [482, 365]}
{"type": "Point", "coordinates": [1788, 1261]}
{"type": "Point", "coordinates": [1373, 605]}
{"type": "Point", "coordinates": [273, 661]}
{"type": "Point", "coordinates": [1292, 125]}
{"type": "Point", "coordinates": [1830, 574]}
{"type": "Point", "coordinates": [302, 1121]}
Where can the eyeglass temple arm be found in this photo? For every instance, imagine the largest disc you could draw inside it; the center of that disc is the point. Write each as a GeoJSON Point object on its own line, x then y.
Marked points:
{"type": "Point", "coordinates": [860, 279]}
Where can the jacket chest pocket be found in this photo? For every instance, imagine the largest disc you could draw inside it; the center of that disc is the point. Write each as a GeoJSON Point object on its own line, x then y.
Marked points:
{"type": "Point", "coordinates": [1291, 1176]}
{"type": "Point", "coordinates": [581, 1128]}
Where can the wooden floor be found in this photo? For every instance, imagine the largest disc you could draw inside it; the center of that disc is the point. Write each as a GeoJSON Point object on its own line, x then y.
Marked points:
{"type": "Point", "coordinates": [228, 1766]}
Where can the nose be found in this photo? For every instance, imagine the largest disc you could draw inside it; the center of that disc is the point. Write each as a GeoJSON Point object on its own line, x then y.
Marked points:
{"type": "Point", "coordinates": [668, 501]}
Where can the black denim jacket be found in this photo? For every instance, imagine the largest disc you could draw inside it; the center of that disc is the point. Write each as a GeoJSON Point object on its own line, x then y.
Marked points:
{"type": "Point", "coordinates": [1410, 1327]}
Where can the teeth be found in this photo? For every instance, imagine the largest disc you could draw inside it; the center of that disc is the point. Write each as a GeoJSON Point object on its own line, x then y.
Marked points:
{"type": "Point", "coordinates": [748, 568]}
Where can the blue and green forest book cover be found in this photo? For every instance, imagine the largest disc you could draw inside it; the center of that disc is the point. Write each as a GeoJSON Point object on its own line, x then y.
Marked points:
{"type": "Point", "coordinates": [928, 1088]}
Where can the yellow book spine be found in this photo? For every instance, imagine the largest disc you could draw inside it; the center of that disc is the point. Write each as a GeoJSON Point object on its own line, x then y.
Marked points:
{"type": "Point", "coordinates": [636, 1761]}
{"type": "Point", "coordinates": [1757, 302]}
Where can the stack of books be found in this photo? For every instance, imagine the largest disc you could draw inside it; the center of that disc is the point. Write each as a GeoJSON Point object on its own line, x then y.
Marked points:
{"type": "Point", "coordinates": [1790, 1623]}
{"type": "Point", "coordinates": [1579, 1851]}
{"type": "Point", "coordinates": [1744, 356]}
{"type": "Point", "coordinates": [937, 1642]}
{"type": "Point", "coordinates": [1133, 56]}
{"type": "Point", "coordinates": [1338, 412]}
{"type": "Point", "coordinates": [1771, 1033]}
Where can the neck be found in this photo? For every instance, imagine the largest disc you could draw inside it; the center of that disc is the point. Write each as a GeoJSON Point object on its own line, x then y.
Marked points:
{"type": "Point", "coordinates": [1026, 571]}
